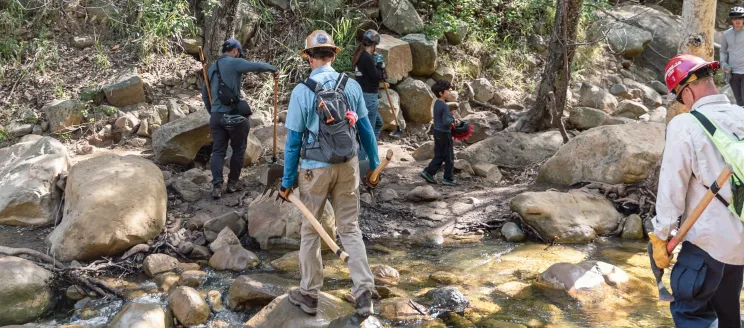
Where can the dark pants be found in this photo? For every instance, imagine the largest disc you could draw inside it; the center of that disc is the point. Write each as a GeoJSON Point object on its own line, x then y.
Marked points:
{"type": "Point", "coordinates": [444, 152]}
{"type": "Point", "coordinates": [705, 289]}
{"type": "Point", "coordinates": [737, 83]}
{"type": "Point", "coordinates": [238, 138]}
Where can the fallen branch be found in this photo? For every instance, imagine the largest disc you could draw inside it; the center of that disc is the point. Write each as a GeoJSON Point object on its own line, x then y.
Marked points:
{"type": "Point", "coordinates": [134, 250]}
{"type": "Point", "coordinates": [30, 252]}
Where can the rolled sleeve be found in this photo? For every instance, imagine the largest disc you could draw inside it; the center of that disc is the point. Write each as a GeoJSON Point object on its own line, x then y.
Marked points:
{"type": "Point", "coordinates": [674, 178]}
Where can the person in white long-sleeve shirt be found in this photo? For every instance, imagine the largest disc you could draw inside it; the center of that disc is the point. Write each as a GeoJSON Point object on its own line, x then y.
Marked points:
{"type": "Point", "coordinates": [732, 53]}
{"type": "Point", "coordinates": [707, 278]}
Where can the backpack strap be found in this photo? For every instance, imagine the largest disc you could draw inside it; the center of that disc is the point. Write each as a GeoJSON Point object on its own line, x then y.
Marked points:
{"type": "Point", "coordinates": [341, 82]}
{"type": "Point", "coordinates": [313, 85]}
{"type": "Point", "coordinates": [715, 188]}
{"type": "Point", "coordinates": [705, 122]}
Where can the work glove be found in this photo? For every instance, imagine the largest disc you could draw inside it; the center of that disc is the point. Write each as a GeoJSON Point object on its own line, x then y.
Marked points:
{"type": "Point", "coordinates": [661, 257]}
{"type": "Point", "coordinates": [284, 193]}
{"type": "Point", "coordinates": [351, 117]}
{"type": "Point", "coordinates": [368, 181]}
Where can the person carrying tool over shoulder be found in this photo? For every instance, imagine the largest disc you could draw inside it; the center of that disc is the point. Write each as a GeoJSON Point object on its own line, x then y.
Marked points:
{"type": "Point", "coordinates": [369, 70]}
{"type": "Point", "coordinates": [444, 152]}
{"type": "Point", "coordinates": [326, 111]}
{"type": "Point", "coordinates": [707, 279]}
{"type": "Point", "coordinates": [732, 53]}
{"type": "Point", "coordinates": [229, 123]}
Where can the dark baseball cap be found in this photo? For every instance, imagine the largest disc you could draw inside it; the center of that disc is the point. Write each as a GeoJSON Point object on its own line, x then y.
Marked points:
{"type": "Point", "coordinates": [231, 44]}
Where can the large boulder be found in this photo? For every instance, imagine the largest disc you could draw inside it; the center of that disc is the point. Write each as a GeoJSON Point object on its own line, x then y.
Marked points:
{"type": "Point", "coordinates": [63, 114]}
{"type": "Point", "coordinates": [93, 224]}
{"type": "Point", "coordinates": [234, 258]}
{"type": "Point", "coordinates": [611, 154]}
{"type": "Point", "coordinates": [388, 112]}
{"type": "Point", "coordinates": [400, 16]}
{"type": "Point", "coordinates": [277, 224]}
{"type": "Point", "coordinates": [416, 100]}
{"type": "Point", "coordinates": [258, 289]}
{"type": "Point", "coordinates": [125, 89]}
{"type": "Point", "coordinates": [397, 56]}
{"type": "Point", "coordinates": [177, 142]}
{"type": "Point", "coordinates": [143, 316]}
{"type": "Point", "coordinates": [253, 151]}
{"type": "Point", "coordinates": [423, 53]}
{"type": "Point", "coordinates": [188, 306]}
{"type": "Point", "coordinates": [280, 313]}
{"type": "Point", "coordinates": [630, 109]}
{"type": "Point", "coordinates": [573, 217]}
{"type": "Point", "coordinates": [444, 73]}
{"type": "Point", "coordinates": [595, 97]}
{"type": "Point", "coordinates": [626, 39]}
{"type": "Point", "coordinates": [485, 124]}
{"type": "Point", "coordinates": [651, 98]}
{"type": "Point", "coordinates": [447, 299]}
{"type": "Point", "coordinates": [266, 136]}
{"type": "Point", "coordinates": [29, 171]}
{"type": "Point", "coordinates": [584, 118]}
{"type": "Point", "coordinates": [25, 290]}
{"type": "Point", "coordinates": [514, 149]}
{"type": "Point", "coordinates": [483, 89]}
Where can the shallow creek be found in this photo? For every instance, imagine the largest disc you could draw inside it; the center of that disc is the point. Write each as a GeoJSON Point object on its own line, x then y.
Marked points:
{"type": "Point", "coordinates": [481, 267]}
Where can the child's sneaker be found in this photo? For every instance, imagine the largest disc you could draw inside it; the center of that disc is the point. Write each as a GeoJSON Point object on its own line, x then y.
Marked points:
{"type": "Point", "coordinates": [428, 177]}
{"type": "Point", "coordinates": [448, 182]}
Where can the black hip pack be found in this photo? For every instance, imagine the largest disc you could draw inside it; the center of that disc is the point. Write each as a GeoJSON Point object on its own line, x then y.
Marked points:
{"type": "Point", "coordinates": [239, 108]}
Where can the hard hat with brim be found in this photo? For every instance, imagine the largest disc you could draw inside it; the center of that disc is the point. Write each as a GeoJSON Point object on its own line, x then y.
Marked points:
{"type": "Point", "coordinates": [319, 39]}
{"type": "Point", "coordinates": [682, 70]}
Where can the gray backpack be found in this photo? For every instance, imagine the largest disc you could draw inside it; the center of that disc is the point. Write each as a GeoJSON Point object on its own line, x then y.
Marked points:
{"type": "Point", "coordinates": [336, 141]}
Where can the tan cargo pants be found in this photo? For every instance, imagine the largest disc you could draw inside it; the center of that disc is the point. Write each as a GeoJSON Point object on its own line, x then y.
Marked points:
{"type": "Point", "coordinates": [341, 181]}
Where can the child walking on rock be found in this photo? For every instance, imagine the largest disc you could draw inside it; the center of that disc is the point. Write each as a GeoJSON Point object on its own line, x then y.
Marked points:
{"type": "Point", "coordinates": [443, 144]}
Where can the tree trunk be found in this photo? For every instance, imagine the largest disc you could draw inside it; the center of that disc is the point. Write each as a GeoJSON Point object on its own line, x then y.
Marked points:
{"type": "Point", "coordinates": [218, 27]}
{"type": "Point", "coordinates": [551, 95]}
{"type": "Point", "coordinates": [699, 17]}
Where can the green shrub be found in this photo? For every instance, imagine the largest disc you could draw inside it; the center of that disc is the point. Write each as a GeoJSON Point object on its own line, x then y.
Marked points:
{"type": "Point", "coordinates": [155, 23]}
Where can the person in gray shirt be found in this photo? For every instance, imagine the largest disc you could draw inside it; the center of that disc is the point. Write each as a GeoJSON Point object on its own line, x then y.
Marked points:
{"type": "Point", "coordinates": [732, 53]}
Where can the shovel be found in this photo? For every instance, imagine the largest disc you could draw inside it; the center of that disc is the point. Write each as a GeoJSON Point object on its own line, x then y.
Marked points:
{"type": "Point", "coordinates": [204, 72]}
{"type": "Point", "coordinates": [276, 171]}
{"type": "Point", "coordinates": [664, 294]}
{"type": "Point", "coordinates": [398, 132]}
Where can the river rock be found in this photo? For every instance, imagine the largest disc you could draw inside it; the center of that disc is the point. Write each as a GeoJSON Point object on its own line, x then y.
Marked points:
{"type": "Point", "coordinates": [387, 195]}
{"type": "Point", "coordinates": [188, 190]}
{"type": "Point", "coordinates": [447, 299]}
{"type": "Point", "coordinates": [423, 194]}
{"type": "Point", "coordinates": [400, 16]}
{"type": "Point", "coordinates": [277, 224]}
{"type": "Point", "coordinates": [400, 309]}
{"type": "Point", "coordinates": [174, 111]}
{"type": "Point", "coordinates": [192, 279]}
{"type": "Point", "coordinates": [610, 154]}
{"type": "Point", "coordinates": [424, 152]}
{"type": "Point", "coordinates": [485, 124]}
{"type": "Point", "coordinates": [25, 291]}
{"type": "Point", "coordinates": [416, 100]}
{"type": "Point", "coordinates": [126, 124]}
{"type": "Point", "coordinates": [125, 89]}
{"type": "Point", "coordinates": [109, 227]}
{"type": "Point", "coordinates": [651, 98]}
{"type": "Point", "coordinates": [388, 112]}
{"type": "Point", "coordinates": [155, 264]}
{"type": "Point", "coordinates": [630, 109]}
{"type": "Point", "coordinates": [355, 321]}
{"type": "Point", "coordinates": [385, 275]}
{"type": "Point", "coordinates": [289, 262]}
{"type": "Point", "coordinates": [188, 306]}
{"type": "Point", "coordinates": [397, 56]}
{"type": "Point", "coordinates": [567, 276]}
{"type": "Point", "coordinates": [620, 90]}
{"type": "Point", "coordinates": [573, 217]}
{"type": "Point", "coordinates": [483, 89]}
{"type": "Point", "coordinates": [214, 299]}
{"type": "Point", "coordinates": [584, 118]}
{"type": "Point", "coordinates": [514, 149]}
{"type": "Point", "coordinates": [462, 165]}
{"type": "Point", "coordinates": [627, 40]}
{"type": "Point", "coordinates": [196, 176]}
{"type": "Point", "coordinates": [19, 129]}
{"type": "Point", "coordinates": [512, 232]}
{"type": "Point", "coordinates": [177, 142]}
{"type": "Point", "coordinates": [165, 281]}
{"type": "Point", "coordinates": [595, 97]}
{"type": "Point", "coordinates": [197, 222]}
{"type": "Point", "coordinates": [280, 313]}
{"type": "Point", "coordinates": [225, 238]}
{"type": "Point", "coordinates": [231, 220]}
{"type": "Point", "coordinates": [234, 258]}
{"type": "Point", "coordinates": [200, 253]}
{"type": "Point", "coordinates": [257, 289]}
{"type": "Point", "coordinates": [142, 315]}
{"type": "Point", "coordinates": [29, 172]}
{"type": "Point", "coordinates": [489, 171]}
{"type": "Point", "coordinates": [633, 228]}
{"type": "Point", "coordinates": [423, 53]}
{"type": "Point", "coordinates": [444, 277]}
{"type": "Point", "coordinates": [515, 289]}
{"type": "Point", "coordinates": [63, 114]}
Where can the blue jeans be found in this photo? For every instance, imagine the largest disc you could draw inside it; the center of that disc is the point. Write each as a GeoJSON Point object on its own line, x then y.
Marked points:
{"type": "Point", "coordinates": [372, 101]}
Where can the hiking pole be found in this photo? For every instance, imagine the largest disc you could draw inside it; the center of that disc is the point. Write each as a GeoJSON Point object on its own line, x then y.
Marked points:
{"type": "Point", "coordinates": [323, 234]}
{"type": "Point", "coordinates": [204, 72]}
{"type": "Point", "coordinates": [397, 133]}
{"type": "Point", "coordinates": [664, 294]}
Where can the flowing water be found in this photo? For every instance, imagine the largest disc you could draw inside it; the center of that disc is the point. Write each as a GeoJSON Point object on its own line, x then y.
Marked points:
{"type": "Point", "coordinates": [483, 269]}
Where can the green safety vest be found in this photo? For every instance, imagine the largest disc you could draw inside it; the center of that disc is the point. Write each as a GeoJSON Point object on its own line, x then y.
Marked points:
{"type": "Point", "coordinates": [732, 151]}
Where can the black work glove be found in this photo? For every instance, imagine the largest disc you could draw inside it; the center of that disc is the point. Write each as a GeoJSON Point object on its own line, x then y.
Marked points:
{"type": "Point", "coordinates": [284, 193]}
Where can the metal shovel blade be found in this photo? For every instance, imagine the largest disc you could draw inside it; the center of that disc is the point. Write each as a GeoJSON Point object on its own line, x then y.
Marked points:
{"type": "Point", "coordinates": [397, 134]}
{"type": "Point", "coordinates": [274, 177]}
{"type": "Point", "coordinates": [664, 294]}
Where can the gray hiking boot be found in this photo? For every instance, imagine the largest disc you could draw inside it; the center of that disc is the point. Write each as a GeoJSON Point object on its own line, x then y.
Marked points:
{"type": "Point", "coordinates": [217, 192]}
{"type": "Point", "coordinates": [233, 186]}
{"type": "Point", "coordinates": [364, 304]}
{"type": "Point", "coordinates": [449, 182]}
{"type": "Point", "coordinates": [306, 303]}
{"type": "Point", "coordinates": [428, 177]}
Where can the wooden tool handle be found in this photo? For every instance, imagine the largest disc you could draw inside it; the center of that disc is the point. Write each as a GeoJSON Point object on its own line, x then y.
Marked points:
{"type": "Point", "coordinates": [376, 174]}
{"type": "Point", "coordinates": [310, 217]}
{"type": "Point", "coordinates": [276, 106]}
{"type": "Point", "coordinates": [204, 72]}
{"type": "Point", "coordinates": [695, 215]}
{"type": "Point", "coordinates": [390, 102]}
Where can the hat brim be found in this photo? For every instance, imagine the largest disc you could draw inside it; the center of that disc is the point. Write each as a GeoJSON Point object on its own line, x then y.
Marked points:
{"type": "Point", "coordinates": [337, 50]}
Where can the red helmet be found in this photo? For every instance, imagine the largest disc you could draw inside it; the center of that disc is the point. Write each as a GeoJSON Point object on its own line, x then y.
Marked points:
{"type": "Point", "coordinates": [681, 68]}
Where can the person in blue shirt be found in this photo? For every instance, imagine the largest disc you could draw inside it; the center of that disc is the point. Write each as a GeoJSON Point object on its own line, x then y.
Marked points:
{"type": "Point", "coordinates": [319, 180]}
{"type": "Point", "coordinates": [232, 66]}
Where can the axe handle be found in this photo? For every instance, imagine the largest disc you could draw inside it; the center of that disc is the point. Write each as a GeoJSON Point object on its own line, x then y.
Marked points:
{"type": "Point", "coordinates": [323, 234]}
{"type": "Point", "coordinates": [276, 105]}
{"type": "Point", "coordinates": [695, 215]}
{"type": "Point", "coordinates": [390, 102]}
{"type": "Point", "coordinates": [204, 72]}
{"type": "Point", "coordinates": [376, 173]}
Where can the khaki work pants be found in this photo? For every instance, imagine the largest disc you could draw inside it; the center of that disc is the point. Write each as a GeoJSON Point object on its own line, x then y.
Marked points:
{"type": "Point", "coordinates": [341, 181]}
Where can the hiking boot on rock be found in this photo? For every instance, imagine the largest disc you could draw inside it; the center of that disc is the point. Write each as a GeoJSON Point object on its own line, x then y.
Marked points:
{"type": "Point", "coordinates": [233, 186]}
{"type": "Point", "coordinates": [217, 192]}
{"type": "Point", "coordinates": [449, 182]}
{"type": "Point", "coordinates": [306, 303]}
{"type": "Point", "coordinates": [364, 304]}
{"type": "Point", "coordinates": [428, 177]}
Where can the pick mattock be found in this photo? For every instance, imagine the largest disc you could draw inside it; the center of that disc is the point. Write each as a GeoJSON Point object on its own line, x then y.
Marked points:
{"type": "Point", "coordinates": [204, 72]}
{"type": "Point", "coordinates": [276, 171]}
{"type": "Point", "coordinates": [398, 132]}
{"type": "Point", "coordinates": [664, 294]}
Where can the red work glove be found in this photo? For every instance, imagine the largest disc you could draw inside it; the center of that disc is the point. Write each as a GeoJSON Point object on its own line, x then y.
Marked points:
{"type": "Point", "coordinates": [351, 117]}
